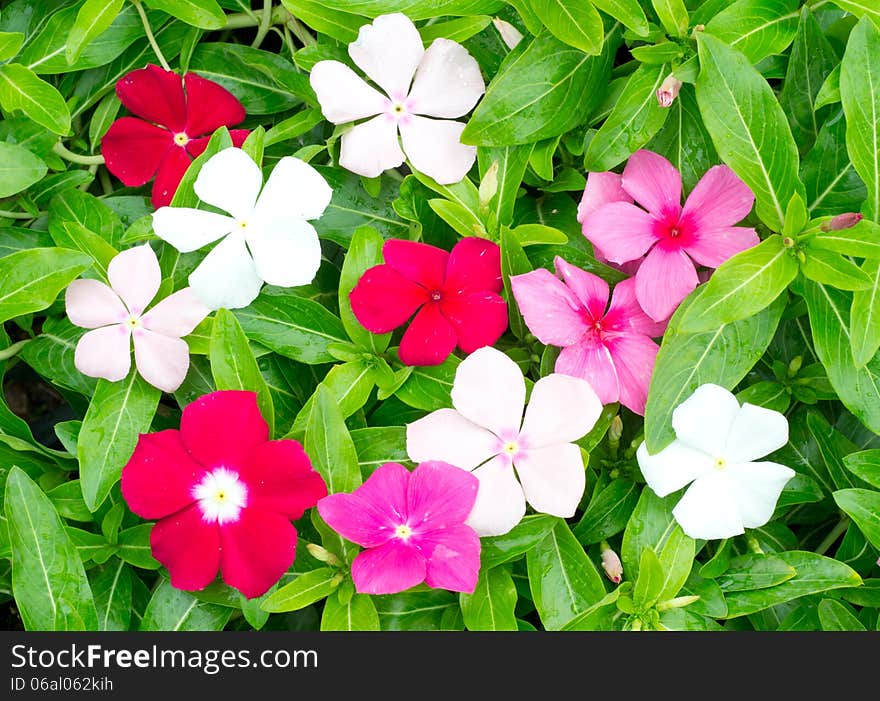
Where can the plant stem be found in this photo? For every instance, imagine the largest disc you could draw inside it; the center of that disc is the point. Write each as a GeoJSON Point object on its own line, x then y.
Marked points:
{"type": "Point", "coordinates": [265, 23]}
{"type": "Point", "coordinates": [7, 353]}
{"type": "Point", "coordinates": [16, 215]}
{"type": "Point", "coordinates": [61, 150]}
{"type": "Point", "coordinates": [832, 537]}
{"type": "Point", "coordinates": [243, 20]}
{"type": "Point", "coordinates": [149, 33]}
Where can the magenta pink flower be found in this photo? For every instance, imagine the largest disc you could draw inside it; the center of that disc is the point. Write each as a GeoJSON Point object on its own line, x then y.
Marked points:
{"type": "Point", "coordinates": [612, 350]}
{"type": "Point", "coordinates": [412, 524]}
{"type": "Point", "coordinates": [675, 238]}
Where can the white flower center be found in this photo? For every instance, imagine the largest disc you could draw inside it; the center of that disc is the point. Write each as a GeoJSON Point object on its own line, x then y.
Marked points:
{"type": "Point", "coordinates": [403, 531]}
{"type": "Point", "coordinates": [221, 496]}
{"type": "Point", "coordinates": [241, 224]}
{"type": "Point", "coordinates": [181, 139]}
{"type": "Point", "coordinates": [511, 448]}
{"type": "Point", "coordinates": [133, 322]}
{"type": "Point", "coordinates": [720, 463]}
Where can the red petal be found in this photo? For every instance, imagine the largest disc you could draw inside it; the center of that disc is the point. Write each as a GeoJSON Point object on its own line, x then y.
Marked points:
{"type": "Point", "coordinates": [156, 95]}
{"type": "Point", "coordinates": [257, 550]}
{"type": "Point", "coordinates": [479, 319]}
{"type": "Point", "coordinates": [209, 106]}
{"type": "Point", "coordinates": [196, 147]}
{"type": "Point", "coordinates": [189, 547]}
{"type": "Point", "coordinates": [474, 266]}
{"type": "Point", "coordinates": [383, 299]}
{"type": "Point", "coordinates": [418, 262]}
{"type": "Point", "coordinates": [159, 477]}
{"type": "Point", "coordinates": [280, 478]}
{"type": "Point", "coordinates": [223, 428]}
{"type": "Point", "coordinates": [171, 171]}
{"type": "Point", "coordinates": [133, 150]}
{"type": "Point", "coordinates": [429, 339]}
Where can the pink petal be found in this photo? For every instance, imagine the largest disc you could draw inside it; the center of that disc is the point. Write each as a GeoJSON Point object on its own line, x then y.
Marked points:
{"type": "Point", "coordinates": [500, 503]}
{"type": "Point", "coordinates": [561, 409]}
{"type": "Point", "coordinates": [386, 489]}
{"type": "Point", "coordinates": [419, 262]}
{"type": "Point", "coordinates": [453, 558]}
{"type": "Point", "coordinates": [161, 360]}
{"type": "Point", "coordinates": [223, 428]}
{"type": "Point", "coordinates": [553, 478]}
{"type": "Point", "coordinates": [663, 281]}
{"type": "Point", "coordinates": [135, 276]}
{"type": "Point", "coordinates": [591, 361]}
{"type": "Point", "coordinates": [601, 189]}
{"type": "Point", "coordinates": [388, 569]}
{"type": "Point", "coordinates": [133, 150]}
{"type": "Point", "coordinates": [634, 356]}
{"type": "Point", "coordinates": [171, 171]}
{"type": "Point", "coordinates": [90, 304]}
{"type": "Point", "coordinates": [439, 495]}
{"type": "Point", "coordinates": [105, 353]}
{"type": "Point", "coordinates": [591, 290]}
{"type": "Point", "coordinates": [209, 106]}
{"type": "Point", "coordinates": [433, 147]}
{"type": "Point", "coordinates": [625, 313]}
{"type": "Point", "coordinates": [256, 550]}
{"type": "Point", "coordinates": [654, 183]}
{"type": "Point", "coordinates": [159, 477]}
{"type": "Point", "coordinates": [357, 519]}
{"type": "Point", "coordinates": [549, 308]}
{"type": "Point", "coordinates": [446, 435]}
{"type": "Point", "coordinates": [343, 96]}
{"type": "Point", "coordinates": [718, 201]}
{"type": "Point", "coordinates": [714, 246]}
{"type": "Point", "coordinates": [154, 94]}
{"type": "Point", "coordinates": [479, 319]}
{"type": "Point", "coordinates": [388, 51]}
{"type": "Point", "coordinates": [430, 338]}
{"type": "Point", "coordinates": [474, 265]}
{"type": "Point", "coordinates": [489, 390]}
{"type": "Point", "coordinates": [383, 299]}
{"type": "Point", "coordinates": [620, 231]}
{"type": "Point", "coordinates": [176, 315]}
{"type": "Point", "coordinates": [189, 547]}
{"type": "Point", "coordinates": [371, 148]}
{"type": "Point", "coordinates": [280, 478]}
{"type": "Point", "coordinates": [448, 81]}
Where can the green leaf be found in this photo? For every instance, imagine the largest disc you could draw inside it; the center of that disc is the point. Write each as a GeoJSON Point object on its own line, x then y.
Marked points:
{"type": "Point", "coordinates": [118, 413]}
{"type": "Point", "coordinates": [861, 240]}
{"type": "Point", "coordinates": [75, 236]}
{"type": "Point", "coordinates": [418, 609]}
{"type": "Point", "coordinates": [676, 559]}
{"type": "Point", "coordinates": [325, 19]}
{"type": "Point", "coordinates": [292, 127]}
{"type": "Point", "coordinates": [31, 280]}
{"type": "Point", "coordinates": [491, 605]}
{"type": "Point", "coordinates": [379, 444]}
{"type": "Point", "coordinates": [111, 585]}
{"type": "Point", "coordinates": [174, 609]}
{"type": "Point", "coordinates": [649, 583]}
{"type": "Point", "coordinates": [829, 93]}
{"type": "Point", "coordinates": [521, 538]}
{"type": "Point", "coordinates": [650, 526]}
{"type": "Point", "coordinates": [758, 28]}
{"type": "Point", "coordinates": [134, 547]}
{"type": "Point", "coordinates": [608, 512]}
{"type": "Point", "coordinates": [420, 9]}
{"type": "Point", "coordinates": [577, 24]}
{"type": "Point", "coordinates": [748, 127]}
{"type": "Point", "coordinates": [349, 384]}
{"type": "Point", "coordinates": [635, 119]}
{"type": "Point", "coordinates": [673, 16]}
{"type": "Point", "coordinates": [865, 465]}
{"type": "Point", "coordinates": [429, 388]}
{"type": "Point", "coordinates": [306, 589]}
{"type": "Point", "coordinates": [10, 43]}
{"type": "Point", "coordinates": [830, 268]}
{"type": "Point", "coordinates": [94, 17]}
{"type": "Point", "coordinates": [204, 14]}
{"type": "Point", "coordinates": [513, 262]}
{"type": "Point", "coordinates": [233, 364]}
{"type": "Point", "coordinates": [358, 613]}
{"type": "Point", "coordinates": [67, 500]}
{"type": "Point", "coordinates": [19, 169]}
{"type": "Point", "coordinates": [88, 212]}
{"type": "Point", "coordinates": [48, 580]}
{"type": "Point", "coordinates": [364, 251]}
{"type": "Point", "coordinates": [865, 317]}
{"type": "Point", "coordinates": [863, 506]}
{"type": "Point", "coordinates": [512, 162]}
{"type": "Point", "coordinates": [329, 445]}
{"type": "Point", "coordinates": [752, 571]}
{"type": "Point", "coordinates": [859, 8]}
{"type": "Point", "coordinates": [835, 616]}
{"type": "Point", "coordinates": [52, 355]}
{"type": "Point", "coordinates": [21, 89]}
{"type": "Point", "coordinates": [459, 30]}
{"type": "Point", "coordinates": [628, 12]}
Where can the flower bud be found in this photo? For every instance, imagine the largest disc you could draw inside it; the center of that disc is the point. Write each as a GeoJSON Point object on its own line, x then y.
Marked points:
{"type": "Point", "coordinates": [615, 430]}
{"type": "Point", "coordinates": [794, 366]}
{"type": "Point", "coordinates": [668, 91]}
{"type": "Point", "coordinates": [510, 35]}
{"type": "Point", "coordinates": [321, 554]}
{"type": "Point", "coordinates": [489, 185]}
{"type": "Point", "coordinates": [611, 564]}
{"type": "Point", "coordinates": [842, 221]}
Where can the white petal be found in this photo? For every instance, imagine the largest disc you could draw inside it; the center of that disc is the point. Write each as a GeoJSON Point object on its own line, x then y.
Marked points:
{"type": "Point", "coordinates": [189, 229]}
{"type": "Point", "coordinates": [756, 432]}
{"type": "Point", "coordinates": [294, 190]}
{"type": "Point", "coordinates": [161, 360]}
{"type": "Point", "coordinates": [757, 486]}
{"type": "Point", "coordinates": [371, 148]}
{"type": "Point", "coordinates": [176, 315]}
{"type": "Point", "coordinates": [227, 277]}
{"type": "Point", "coordinates": [230, 180]}
{"type": "Point", "coordinates": [500, 503]}
{"type": "Point", "coordinates": [708, 508]}
{"type": "Point", "coordinates": [489, 390]}
{"type": "Point", "coordinates": [673, 467]}
{"type": "Point", "coordinates": [287, 254]}
{"type": "Point", "coordinates": [448, 81]}
{"type": "Point", "coordinates": [104, 352]}
{"type": "Point", "coordinates": [343, 96]}
{"type": "Point", "coordinates": [704, 419]}
{"type": "Point", "coordinates": [90, 304]}
{"type": "Point", "coordinates": [434, 148]}
{"type": "Point", "coordinates": [561, 409]}
{"type": "Point", "coordinates": [446, 435]}
{"type": "Point", "coordinates": [135, 276]}
{"type": "Point", "coordinates": [388, 51]}
{"type": "Point", "coordinates": [552, 478]}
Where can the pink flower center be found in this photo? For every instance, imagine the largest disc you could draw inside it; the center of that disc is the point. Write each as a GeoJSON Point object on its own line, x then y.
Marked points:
{"type": "Point", "coordinates": [221, 495]}
{"type": "Point", "coordinates": [673, 232]}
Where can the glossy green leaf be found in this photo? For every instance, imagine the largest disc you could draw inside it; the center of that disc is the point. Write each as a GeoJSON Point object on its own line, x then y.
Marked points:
{"type": "Point", "coordinates": [521, 538]}
{"type": "Point", "coordinates": [608, 512]}
{"type": "Point", "coordinates": [577, 24]}
{"type": "Point", "coordinates": [10, 43]}
{"type": "Point", "coordinates": [491, 605]}
{"type": "Point", "coordinates": [512, 162]}
{"type": "Point", "coordinates": [134, 547]}
{"type": "Point", "coordinates": [649, 526]}
{"type": "Point", "coordinates": [859, 8]}
{"type": "Point", "coordinates": [349, 384]}
{"type": "Point", "coordinates": [358, 613]}
{"type": "Point", "coordinates": [649, 582]}
{"type": "Point", "coordinates": [865, 465]}
{"type": "Point", "coordinates": [92, 19]}
{"type": "Point", "coordinates": [832, 269]}
{"type": "Point", "coordinates": [627, 12]}
{"type": "Point", "coordinates": [676, 559]}
{"type": "Point", "coordinates": [673, 16]}
{"type": "Point", "coordinates": [326, 19]}
{"type": "Point", "coordinates": [833, 615]}
{"type": "Point", "coordinates": [19, 169]}
{"type": "Point", "coordinates": [329, 445]}
{"type": "Point", "coordinates": [419, 609]}
{"type": "Point", "coordinates": [30, 280]}
{"type": "Point", "coordinates": [21, 89]}
{"type": "Point", "coordinates": [758, 28]}
{"type": "Point", "coordinates": [111, 585]}
{"type": "Point", "coordinates": [205, 14]}
{"type": "Point", "coordinates": [863, 506]}
{"type": "Point", "coordinates": [172, 609]}
{"type": "Point", "coordinates": [364, 251]}
{"type": "Point", "coordinates": [306, 589]}
{"type": "Point", "coordinates": [754, 571]}
{"type": "Point", "coordinates": [865, 317]}
{"type": "Point", "coordinates": [429, 388]}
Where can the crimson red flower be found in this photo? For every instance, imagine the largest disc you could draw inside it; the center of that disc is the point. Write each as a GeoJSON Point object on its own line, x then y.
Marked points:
{"type": "Point", "coordinates": [175, 128]}
{"type": "Point", "coordinates": [456, 294]}
{"type": "Point", "coordinates": [224, 494]}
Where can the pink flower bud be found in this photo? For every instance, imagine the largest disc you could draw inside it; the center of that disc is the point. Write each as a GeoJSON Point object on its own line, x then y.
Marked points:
{"type": "Point", "coordinates": [510, 35]}
{"type": "Point", "coordinates": [612, 565]}
{"type": "Point", "coordinates": [842, 221]}
{"type": "Point", "coordinates": [668, 91]}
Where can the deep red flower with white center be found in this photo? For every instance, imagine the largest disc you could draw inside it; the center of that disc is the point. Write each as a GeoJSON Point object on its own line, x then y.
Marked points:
{"type": "Point", "coordinates": [177, 120]}
{"type": "Point", "coordinates": [223, 493]}
{"type": "Point", "coordinates": [455, 293]}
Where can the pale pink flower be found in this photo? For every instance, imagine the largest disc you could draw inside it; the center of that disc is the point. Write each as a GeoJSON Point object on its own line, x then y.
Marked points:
{"type": "Point", "coordinates": [443, 81]}
{"type": "Point", "coordinates": [612, 565]}
{"type": "Point", "coordinates": [675, 238]}
{"type": "Point", "coordinates": [668, 91]}
{"type": "Point", "coordinates": [612, 350]}
{"type": "Point", "coordinates": [603, 188]}
{"type": "Point", "coordinates": [118, 313]}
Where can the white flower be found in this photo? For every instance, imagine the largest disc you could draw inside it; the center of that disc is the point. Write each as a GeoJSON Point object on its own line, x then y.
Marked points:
{"type": "Point", "coordinates": [717, 441]}
{"type": "Point", "coordinates": [267, 237]}
{"type": "Point", "coordinates": [447, 84]}
{"type": "Point", "coordinates": [510, 35]}
{"type": "Point", "coordinates": [486, 434]}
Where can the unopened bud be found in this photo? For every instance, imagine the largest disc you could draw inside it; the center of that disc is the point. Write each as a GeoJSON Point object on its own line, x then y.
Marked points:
{"type": "Point", "coordinates": [615, 430]}
{"type": "Point", "coordinates": [842, 221]}
{"type": "Point", "coordinates": [510, 35]}
{"type": "Point", "coordinates": [668, 91]}
{"type": "Point", "coordinates": [322, 554]}
{"type": "Point", "coordinates": [677, 603]}
{"type": "Point", "coordinates": [795, 365]}
{"type": "Point", "coordinates": [611, 564]}
{"type": "Point", "coordinates": [489, 185]}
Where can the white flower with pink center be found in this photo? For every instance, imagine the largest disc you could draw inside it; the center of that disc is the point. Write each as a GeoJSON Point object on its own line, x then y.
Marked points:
{"type": "Point", "coordinates": [442, 82]}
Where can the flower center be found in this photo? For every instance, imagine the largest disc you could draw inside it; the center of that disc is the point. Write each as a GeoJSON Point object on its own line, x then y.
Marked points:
{"type": "Point", "coordinates": [403, 531]}
{"type": "Point", "coordinates": [221, 496]}
{"type": "Point", "coordinates": [510, 448]}
{"type": "Point", "coordinates": [181, 139]}
{"type": "Point", "coordinates": [436, 295]}
{"type": "Point", "coordinates": [674, 232]}
{"type": "Point", "coordinates": [241, 224]}
{"type": "Point", "coordinates": [720, 463]}
{"type": "Point", "coordinates": [133, 322]}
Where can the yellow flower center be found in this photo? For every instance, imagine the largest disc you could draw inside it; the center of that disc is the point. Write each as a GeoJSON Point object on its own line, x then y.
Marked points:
{"type": "Point", "coordinates": [181, 139]}
{"type": "Point", "coordinates": [403, 531]}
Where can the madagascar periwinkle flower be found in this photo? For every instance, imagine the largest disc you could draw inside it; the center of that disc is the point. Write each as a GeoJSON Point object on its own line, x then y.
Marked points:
{"type": "Point", "coordinates": [668, 91]}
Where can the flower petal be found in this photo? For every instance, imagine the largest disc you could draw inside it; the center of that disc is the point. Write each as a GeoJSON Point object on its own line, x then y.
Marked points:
{"type": "Point", "coordinates": [176, 315]}
{"type": "Point", "coordinates": [718, 201]}
{"type": "Point", "coordinates": [294, 190]}
{"type": "Point", "coordinates": [231, 181]}
{"type": "Point", "coordinates": [561, 409]}
{"type": "Point", "coordinates": [133, 150]}
{"type": "Point", "coordinates": [357, 519]}
{"type": "Point", "coordinates": [209, 106]}
{"type": "Point", "coordinates": [500, 503]}
{"type": "Point", "coordinates": [553, 478]}
{"type": "Point", "coordinates": [430, 338]}
{"type": "Point", "coordinates": [386, 490]}
{"type": "Point", "coordinates": [196, 147]}
{"type": "Point", "coordinates": [653, 182]}
{"type": "Point", "coordinates": [388, 569]}
{"type": "Point", "coordinates": [371, 148]}
{"type": "Point", "coordinates": [591, 361]}
{"type": "Point", "coordinates": [439, 495]}
{"type": "Point", "coordinates": [154, 94]}
{"type": "Point", "coordinates": [433, 147]}
{"type": "Point", "coordinates": [287, 254]}
{"type": "Point", "coordinates": [448, 82]}
{"type": "Point", "coordinates": [206, 428]}
{"type": "Point", "coordinates": [159, 477]}
{"type": "Point", "coordinates": [633, 356]}
{"type": "Point", "coordinates": [664, 279]}
{"type": "Point", "coordinates": [601, 189]}
{"type": "Point", "coordinates": [135, 276]}
{"type": "Point", "coordinates": [256, 550]}
{"type": "Point", "coordinates": [673, 467]}
{"type": "Point", "coordinates": [704, 420]}
{"type": "Point", "coordinates": [105, 353]}
{"type": "Point", "coordinates": [474, 265]}
{"type": "Point", "coordinates": [590, 290]}
{"type": "Point", "coordinates": [388, 51]}
{"type": "Point", "coordinates": [755, 432]}
{"type": "Point", "coordinates": [189, 547]}
{"type": "Point", "coordinates": [453, 556]}
{"type": "Point", "coordinates": [708, 508]}
{"type": "Point", "coordinates": [161, 360]}
{"type": "Point", "coordinates": [343, 96]}
{"type": "Point", "coordinates": [383, 299]}
{"type": "Point", "coordinates": [549, 308]}
{"type": "Point", "coordinates": [756, 487]}
{"type": "Point", "coordinates": [171, 171]}
{"type": "Point", "coordinates": [626, 314]}
{"type": "Point", "coordinates": [227, 277]}
{"type": "Point", "coordinates": [446, 435]}
{"type": "Point", "coordinates": [90, 304]}
{"type": "Point", "coordinates": [479, 319]}
{"type": "Point", "coordinates": [189, 229]}
{"type": "Point", "coordinates": [711, 247]}
{"type": "Point", "coordinates": [620, 231]}
{"type": "Point", "coordinates": [419, 262]}
{"type": "Point", "coordinates": [489, 390]}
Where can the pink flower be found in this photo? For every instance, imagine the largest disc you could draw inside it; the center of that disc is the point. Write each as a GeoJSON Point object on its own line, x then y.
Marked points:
{"type": "Point", "coordinates": [601, 189]}
{"type": "Point", "coordinates": [674, 238]}
{"type": "Point", "coordinates": [224, 494]}
{"type": "Point", "coordinates": [668, 91]}
{"type": "Point", "coordinates": [412, 524]}
{"type": "Point", "coordinates": [118, 314]}
{"type": "Point", "coordinates": [612, 350]}
{"type": "Point", "coordinates": [456, 295]}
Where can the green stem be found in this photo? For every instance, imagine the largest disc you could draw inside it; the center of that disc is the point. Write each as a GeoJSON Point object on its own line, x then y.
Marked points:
{"type": "Point", "coordinates": [265, 23]}
{"type": "Point", "coordinates": [300, 32]}
{"type": "Point", "coordinates": [7, 353]}
{"type": "Point", "coordinates": [61, 150]}
{"type": "Point", "coordinates": [243, 20]}
{"type": "Point", "coordinates": [149, 33]}
{"type": "Point", "coordinates": [832, 537]}
{"type": "Point", "coordinates": [17, 215]}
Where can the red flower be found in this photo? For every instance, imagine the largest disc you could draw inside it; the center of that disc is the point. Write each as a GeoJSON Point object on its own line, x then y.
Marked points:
{"type": "Point", "coordinates": [135, 150]}
{"type": "Point", "coordinates": [456, 294]}
{"type": "Point", "coordinates": [224, 494]}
